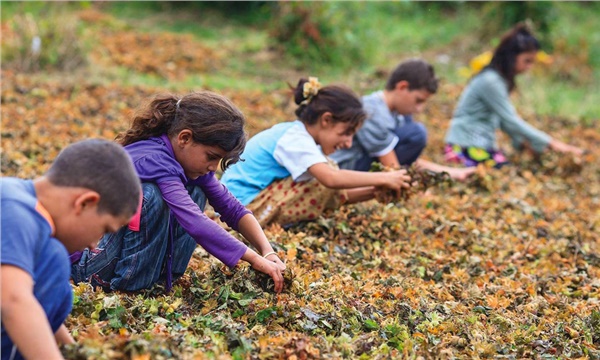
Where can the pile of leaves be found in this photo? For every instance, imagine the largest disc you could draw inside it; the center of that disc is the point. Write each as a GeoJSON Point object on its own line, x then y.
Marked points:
{"type": "Point", "coordinates": [40, 118]}
{"type": "Point", "coordinates": [171, 56]}
{"type": "Point", "coordinates": [421, 180]}
{"type": "Point", "coordinates": [503, 265]}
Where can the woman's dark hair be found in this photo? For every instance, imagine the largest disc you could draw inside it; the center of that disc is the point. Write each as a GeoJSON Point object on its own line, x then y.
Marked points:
{"type": "Point", "coordinates": [516, 41]}
{"type": "Point", "coordinates": [343, 104]}
{"type": "Point", "coordinates": [212, 118]}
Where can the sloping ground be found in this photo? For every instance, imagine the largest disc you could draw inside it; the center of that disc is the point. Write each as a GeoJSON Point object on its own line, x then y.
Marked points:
{"type": "Point", "coordinates": [505, 266]}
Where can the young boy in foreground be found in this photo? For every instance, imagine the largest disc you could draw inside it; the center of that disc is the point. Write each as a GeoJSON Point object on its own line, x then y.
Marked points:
{"type": "Point", "coordinates": [90, 189]}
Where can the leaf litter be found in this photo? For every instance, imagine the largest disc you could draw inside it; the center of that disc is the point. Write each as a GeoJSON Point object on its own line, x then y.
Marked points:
{"type": "Point", "coordinates": [504, 265]}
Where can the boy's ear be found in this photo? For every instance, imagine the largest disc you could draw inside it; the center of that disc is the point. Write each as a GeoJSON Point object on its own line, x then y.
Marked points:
{"type": "Point", "coordinates": [402, 85]}
{"type": "Point", "coordinates": [86, 200]}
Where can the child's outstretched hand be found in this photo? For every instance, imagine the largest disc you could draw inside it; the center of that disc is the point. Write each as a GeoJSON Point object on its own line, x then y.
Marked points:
{"type": "Point", "coordinates": [565, 148]}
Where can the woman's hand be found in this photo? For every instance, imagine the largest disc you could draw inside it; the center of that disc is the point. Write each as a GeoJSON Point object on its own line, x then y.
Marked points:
{"type": "Point", "coordinates": [561, 147]}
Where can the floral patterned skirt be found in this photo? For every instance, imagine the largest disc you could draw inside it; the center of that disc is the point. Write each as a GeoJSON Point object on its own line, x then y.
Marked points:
{"type": "Point", "coordinates": [472, 156]}
{"type": "Point", "coordinates": [286, 201]}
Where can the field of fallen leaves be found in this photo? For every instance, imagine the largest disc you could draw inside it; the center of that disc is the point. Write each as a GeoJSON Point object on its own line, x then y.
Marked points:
{"type": "Point", "coordinates": [506, 265]}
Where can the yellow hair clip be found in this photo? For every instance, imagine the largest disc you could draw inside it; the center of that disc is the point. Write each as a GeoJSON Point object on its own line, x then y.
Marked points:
{"type": "Point", "coordinates": [311, 89]}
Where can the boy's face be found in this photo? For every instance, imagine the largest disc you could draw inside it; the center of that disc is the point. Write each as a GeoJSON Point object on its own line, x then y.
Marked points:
{"type": "Point", "coordinates": [84, 227]}
{"type": "Point", "coordinates": [406, 101]}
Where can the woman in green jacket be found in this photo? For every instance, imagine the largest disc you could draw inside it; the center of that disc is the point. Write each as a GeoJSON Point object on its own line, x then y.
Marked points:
{"type": "Point", "coordinates": [485, 106]}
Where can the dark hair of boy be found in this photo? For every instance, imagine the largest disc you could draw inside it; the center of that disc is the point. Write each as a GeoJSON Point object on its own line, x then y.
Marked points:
{"type": "Point", "coordinates": [102, 166]}
{"type": "Point", "coordinates": [343, 104]}
{"type": "Point", "coordinates": [212, 118]}
{"type": "Point", "coordinates": [418, 73]}
{"type": "Point", "coordinates": [516, 41]}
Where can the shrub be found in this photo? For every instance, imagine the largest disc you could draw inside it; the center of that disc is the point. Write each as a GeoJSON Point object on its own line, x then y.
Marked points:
{"type": "Point", "coordinates": [44, 42]}
{"type": "Point", "coordinates": [321, 32]}
{"type": "Point", "coordinates": [500, 16]}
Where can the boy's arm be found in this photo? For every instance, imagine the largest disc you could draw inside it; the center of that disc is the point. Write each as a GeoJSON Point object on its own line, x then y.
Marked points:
{"type": "Point", "coordinates": [390, 160]}
{"type": "Point", "coordinates": [63, 336]}
{"type": "Point", "coordinates": [23, 317]}
{"type": "Point", "coordinates": [461, 174]}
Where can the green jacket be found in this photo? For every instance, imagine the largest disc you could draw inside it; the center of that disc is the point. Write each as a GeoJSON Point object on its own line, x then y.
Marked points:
{"type": "Point", "coordinates": [485, 106]}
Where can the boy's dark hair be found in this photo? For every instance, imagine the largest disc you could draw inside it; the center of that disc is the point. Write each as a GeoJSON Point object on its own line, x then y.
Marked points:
{"type": "Point", "coordinates": [418, 73]}
{"type": "Point", "coordinates": [514, 42]}
{"type": "Point", "coordinates": [343, 104]}
{"type": "Point", "coordinates": [101, 166]}
{"type": "Point", "coordinates": [212, 119]}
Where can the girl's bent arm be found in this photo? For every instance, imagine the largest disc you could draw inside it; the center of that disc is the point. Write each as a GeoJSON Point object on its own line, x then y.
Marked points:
{"type": "Point", "coordinates": [207, 233]}
{"type": "Point", "coordinates": [227, 205]}
{"type": "Point", "coordinates": [349, 179]}
{"type": "Point", "coordinates": [251, 230]}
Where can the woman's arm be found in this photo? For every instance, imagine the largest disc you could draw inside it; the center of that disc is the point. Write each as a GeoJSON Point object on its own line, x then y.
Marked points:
{"type": "Point", "coordinates": [349, 179]}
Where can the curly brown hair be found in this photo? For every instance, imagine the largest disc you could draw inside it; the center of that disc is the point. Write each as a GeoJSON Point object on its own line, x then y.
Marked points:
{"type": "Point", "coordinates": [213, 119]}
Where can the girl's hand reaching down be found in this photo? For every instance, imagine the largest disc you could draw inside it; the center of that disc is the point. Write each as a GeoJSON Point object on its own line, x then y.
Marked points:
{"type": "Point", "coordinates": [270, 268]}
{"type": "Point", "coordinates": [274, 258]}
{"type": "Point", "coordinates": [273, 268]}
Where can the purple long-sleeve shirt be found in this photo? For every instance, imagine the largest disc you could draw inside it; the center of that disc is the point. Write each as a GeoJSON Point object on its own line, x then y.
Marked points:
{"type": "Point", "coordinates": [154, 161]}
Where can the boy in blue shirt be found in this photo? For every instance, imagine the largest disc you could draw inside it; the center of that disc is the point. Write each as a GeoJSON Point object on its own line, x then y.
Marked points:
{"type": "Point", "coordinates": [90, 189]}
{"type": "Point", "coordinates": [389, 134]}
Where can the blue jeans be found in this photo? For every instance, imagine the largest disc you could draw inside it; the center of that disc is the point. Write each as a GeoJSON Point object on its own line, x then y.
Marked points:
{"type": "Point", "coordinates": [412, 140]}
{"type": "Point", "coordinates": [133, 260]}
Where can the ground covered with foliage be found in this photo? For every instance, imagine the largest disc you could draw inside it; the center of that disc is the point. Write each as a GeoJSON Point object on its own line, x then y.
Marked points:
{"type": "Point", "coordinates": [505, 265]}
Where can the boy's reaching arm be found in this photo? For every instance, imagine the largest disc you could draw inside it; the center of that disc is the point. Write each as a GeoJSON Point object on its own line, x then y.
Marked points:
{"type": "Point", "coordinates": [63, 336]}
{"type": "Point", "coordinates": [23, 317]}
{"type": "Point", "coordinates": [461, 174]}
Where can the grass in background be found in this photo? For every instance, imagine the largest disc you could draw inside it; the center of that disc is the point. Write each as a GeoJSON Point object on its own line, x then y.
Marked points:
{"type": "Point", "coordinates": [375, 36]}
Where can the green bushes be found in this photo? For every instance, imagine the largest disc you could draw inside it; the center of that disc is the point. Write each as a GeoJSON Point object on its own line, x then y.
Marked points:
{"type": "Point", "coordinates": [324, 32]}
{"type": "Point", "coordinates": [48, 41]}
{"type": "Point", "coordinates": [501, 16]}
